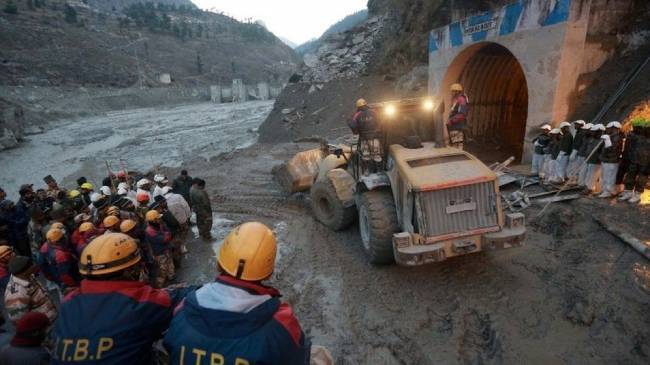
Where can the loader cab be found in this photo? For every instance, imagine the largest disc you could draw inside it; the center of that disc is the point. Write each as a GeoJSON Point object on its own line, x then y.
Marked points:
{"type": "Point", "coordinates": [406, 121]}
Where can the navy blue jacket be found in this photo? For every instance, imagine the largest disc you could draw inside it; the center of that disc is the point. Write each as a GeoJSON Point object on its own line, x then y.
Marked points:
{"type": "Point", "coordinates": [267, 333]}
{"type": "Point", "coordinates": [112, 322]}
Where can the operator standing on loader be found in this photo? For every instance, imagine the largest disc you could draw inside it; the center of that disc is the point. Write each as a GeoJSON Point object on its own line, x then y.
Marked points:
{"type": "Point", "coordinates": [366, 124]}
{"type": "Point", "coordinates": [457, 116]}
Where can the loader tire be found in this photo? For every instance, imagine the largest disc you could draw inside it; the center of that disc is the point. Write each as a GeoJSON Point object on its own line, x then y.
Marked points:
{"type": "Point", "coordinates": [377, 223]}
{"type": "Point", "coordinates": [328, 208]}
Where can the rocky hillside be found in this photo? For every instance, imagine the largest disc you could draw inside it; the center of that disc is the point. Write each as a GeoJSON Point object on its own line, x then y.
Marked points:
{"type": "Point", "coordinates": [120, 43]}
{"type": "Point", "coordinates": [343, 25]}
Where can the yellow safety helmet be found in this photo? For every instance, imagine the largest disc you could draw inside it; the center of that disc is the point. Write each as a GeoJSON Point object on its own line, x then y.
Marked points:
{"type": "Point", "coordinates": [109, 253]}
{"type": "Point", "coordinates": [248, 252]}
{"type": "Point", "coordinates": [127, 225]}
{"type": "Point", "coordinates": [456, 87]}
{"type": "Point", "coordinates": [87, 186]}
{"type": "Point", "coordinates": [361, 102]}
{"type": "Point", "coordinates": [152, 215]}
{"type": "Point", "coordinates": [113, 210]}
{"type": "Point", "coordinates": [86, 226]}
{"type": "Point", "coordinates": [54, 235]}
{"type": "Point", "coordinates": [5, 252]}
{"type": "Point", "coordinates": [73, 194]}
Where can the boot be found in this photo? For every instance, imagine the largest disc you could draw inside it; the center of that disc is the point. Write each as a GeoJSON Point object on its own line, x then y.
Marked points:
{"type": "Point", "coordinates": [627, 194]}
{"type": "Point", "coordinates": [636, 197]}
{"type": "Point", "coordinates": [605, 195]}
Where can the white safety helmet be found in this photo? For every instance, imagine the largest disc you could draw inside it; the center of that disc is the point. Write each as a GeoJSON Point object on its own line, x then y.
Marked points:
{"type": "Point", "coordinates": [555, 131]}
{"type": "Point", "coordinates": [166, 190]}
{"type": "Point", "coordinates": [160, 178]}
{"type": "Point", "coordinates": [565, 124]}
{"type": "Point", "coordinates": [105, 190]}
{"type": "Point", "coordinates": [123, 185]}
{"type": "Point", "coordinates": [121, 191]}
{"type": "Point", "coordinates": [579, 121]}
{"type": "Point", "coordinates": [587, 126]}
{"type": "Point", "coordinates": [598, 127]}
{"type": "Point", "coordinates": [142, 182]}
{"type": "Point", "coordinates": [547, 127]}
{"type": "Point", "coordinates": [95, 197]}
{"type": "Point", "coordinates": [614, 124]}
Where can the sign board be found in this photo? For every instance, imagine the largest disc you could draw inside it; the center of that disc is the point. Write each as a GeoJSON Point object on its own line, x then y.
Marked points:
{"type": "Point", "coordinates": [481, 27]}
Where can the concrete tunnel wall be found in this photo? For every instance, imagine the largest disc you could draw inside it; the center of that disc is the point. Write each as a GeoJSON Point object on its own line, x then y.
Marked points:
{"type": "Point", "coordinates": [519, 65]}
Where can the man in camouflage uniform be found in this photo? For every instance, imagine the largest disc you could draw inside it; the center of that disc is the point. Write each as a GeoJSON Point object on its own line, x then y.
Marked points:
{"type": "Point", "coordinates": [201, 206]}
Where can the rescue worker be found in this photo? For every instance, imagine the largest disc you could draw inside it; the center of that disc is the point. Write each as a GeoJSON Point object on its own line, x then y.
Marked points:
{"type": "Point", "coordinates": [181, 210]}
{"type": "Point", "coordinates": [202, 208]}
{"type": "Point", "coordinates": [637, 176]}
{"type": "Point", "coordinates": [160, 181]}
{"type": "Point", "coordinates": [24, 293]}
{"type": "Point", "coordinates": [83, 236]}
{"type": "Point", "coordinates": [158, 237]}
{"type": "Point", "coordinates": [562, 158]}
{"type": "Point", "coordinates": [144, 186]}
{"type": "Point", "coordinates": [182, 185]}
{"type": "Point", "coordinates": [52, 187]}
{"type": "Point", "coordinates": [112, 318]}
{"type": "Point", "coordinates": [365, 123]}
{"type": "Point", "coordinates": [574, 160]}
{"type": "Point", "coordinates": [553, 151]}
{"type": "Point", "coordinates": [583, 153]}
{"type": "Point", "coordinates": [112, 224]}
{"type": "Point", "coordinates": [540, 142]}
{"type": "Point", "coordinates": [26, 346]}
{"type": "Point", "coordinates": [236, 318]}
{"type": "Point", "coordinates": [143, 205]}
{"type": "Point", "coordinates": [134, 230]}
{"type": "Point", "coordinates": [592, 173]}
{"type": "Point", "coordinates": [457, 116]}
{"type": "Point", "coordinates": [17, 225]}
{"type": "Point", "coordinates": [610, 156]}
{"type": "Point", "coordinates": [58, 262]}
{"type": "Point", "coordinates": [86, 189]}
{"type": "Point", "coordinates": [6, 254]}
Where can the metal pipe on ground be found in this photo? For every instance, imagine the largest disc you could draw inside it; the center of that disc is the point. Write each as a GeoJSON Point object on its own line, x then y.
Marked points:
{"type": "Point", "coordinates": [638, 245]}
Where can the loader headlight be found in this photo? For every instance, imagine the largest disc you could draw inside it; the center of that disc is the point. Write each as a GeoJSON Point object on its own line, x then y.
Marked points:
{"type": "Point", "coordinates": [428, 105]}
{"type": "Point", "coordinates": [390, 110]}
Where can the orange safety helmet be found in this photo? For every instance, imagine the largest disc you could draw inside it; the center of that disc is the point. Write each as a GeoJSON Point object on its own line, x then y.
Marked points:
{"type": "Point", "coordinates": [127, 225]}
{"type": "Point", "coordinates": [109, 253]}
{"type": "Point", "coordinates": [142, 197]}
{"type": "Point", "coordinates": [86, 226]}
{"type": "Point", "coordinates": [248, 252]}
{"type": "Point", "coordinates": [111, 221]}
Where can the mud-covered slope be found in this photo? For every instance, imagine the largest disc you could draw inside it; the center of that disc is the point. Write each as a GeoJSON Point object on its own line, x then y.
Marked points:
{"type": "Point", "coordinates": [52, 45]}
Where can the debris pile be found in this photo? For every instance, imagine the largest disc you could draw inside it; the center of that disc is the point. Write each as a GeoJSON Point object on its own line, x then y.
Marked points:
{"type": "Point", "coordinates": [343, 55]}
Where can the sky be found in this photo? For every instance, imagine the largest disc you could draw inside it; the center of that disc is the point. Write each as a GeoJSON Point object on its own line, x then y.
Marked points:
{"type": "Point", "coordinates": [295, 20]}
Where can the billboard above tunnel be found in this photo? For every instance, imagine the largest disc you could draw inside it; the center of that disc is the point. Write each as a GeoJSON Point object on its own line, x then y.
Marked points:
{"type": "Point", "coordinates": [519, 64]}
{"type": "Point", "coordinates": [518, 16]}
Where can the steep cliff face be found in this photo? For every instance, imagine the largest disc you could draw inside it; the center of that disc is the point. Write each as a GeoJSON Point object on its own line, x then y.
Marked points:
{"type": "Point", "coordinates": [408, 23]}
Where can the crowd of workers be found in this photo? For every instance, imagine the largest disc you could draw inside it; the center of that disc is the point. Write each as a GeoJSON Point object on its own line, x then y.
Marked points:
{"type": "Point", "coordinates": [88, 276]}
{"type": "Point", "coordinates": [602, 159]}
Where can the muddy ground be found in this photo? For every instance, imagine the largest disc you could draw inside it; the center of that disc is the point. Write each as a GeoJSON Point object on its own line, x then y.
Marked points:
{"type": "Point", "coordinates": [574, 294]}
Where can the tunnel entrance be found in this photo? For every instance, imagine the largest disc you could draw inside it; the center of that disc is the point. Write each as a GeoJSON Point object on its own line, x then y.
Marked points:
{"type": "Point", "coordinates": [495, 84]}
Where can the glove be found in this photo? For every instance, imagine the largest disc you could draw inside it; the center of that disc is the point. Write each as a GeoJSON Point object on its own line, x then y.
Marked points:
{"type": "Point", "coordinates": [608, 141]}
